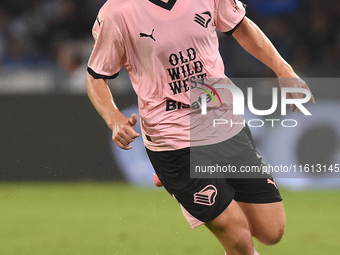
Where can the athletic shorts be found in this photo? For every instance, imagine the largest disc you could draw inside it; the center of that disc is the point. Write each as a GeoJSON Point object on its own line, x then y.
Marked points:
{"type": "Point", "coordinates": [203, 199]}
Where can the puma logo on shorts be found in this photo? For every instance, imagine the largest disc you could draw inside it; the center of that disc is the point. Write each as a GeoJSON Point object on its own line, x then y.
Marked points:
{"type": "Point", "coordinates": [269, 181]}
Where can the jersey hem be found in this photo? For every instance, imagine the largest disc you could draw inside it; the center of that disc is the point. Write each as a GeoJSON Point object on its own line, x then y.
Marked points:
{"type": "Point", "coordinates": [169, 147]}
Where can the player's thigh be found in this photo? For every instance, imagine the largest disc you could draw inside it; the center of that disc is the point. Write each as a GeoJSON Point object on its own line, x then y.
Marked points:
{"type": "Point", "coordinates": [267, 221]}
{"type": "Point", "coordinates": [202, 199]}
{"type": "Point", "coordinates": [232, 230]}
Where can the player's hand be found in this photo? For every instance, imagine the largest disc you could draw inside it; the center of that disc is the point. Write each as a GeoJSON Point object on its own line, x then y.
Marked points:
{"type": "Point", "coordinates": [123, 133]}
{"type": "Point", "coordinates": [295, 82]}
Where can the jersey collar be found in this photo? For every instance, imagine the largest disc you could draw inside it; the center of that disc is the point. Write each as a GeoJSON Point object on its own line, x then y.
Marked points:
{"type": "Point", "coordinates": [168, 6]}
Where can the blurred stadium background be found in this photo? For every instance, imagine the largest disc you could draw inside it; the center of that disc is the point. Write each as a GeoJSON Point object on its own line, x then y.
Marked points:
{"type": "Point", "coordinates": [50, 134]}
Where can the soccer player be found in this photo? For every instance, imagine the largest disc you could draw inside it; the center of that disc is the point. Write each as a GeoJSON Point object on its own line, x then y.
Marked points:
{"type": "Point", "coordinates": [164, 45]}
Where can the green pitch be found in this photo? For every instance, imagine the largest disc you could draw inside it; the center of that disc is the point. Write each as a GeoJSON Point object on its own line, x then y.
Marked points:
{"type": "Point", "coordinates": [111, 218]}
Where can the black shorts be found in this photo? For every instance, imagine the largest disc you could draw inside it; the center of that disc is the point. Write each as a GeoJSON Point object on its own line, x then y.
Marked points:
{"type": "Point", "coordinates": [203, 199]}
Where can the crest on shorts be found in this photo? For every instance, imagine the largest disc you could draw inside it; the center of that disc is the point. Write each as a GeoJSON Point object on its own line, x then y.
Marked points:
{"type": "Point", "coordinates": [206, 196]}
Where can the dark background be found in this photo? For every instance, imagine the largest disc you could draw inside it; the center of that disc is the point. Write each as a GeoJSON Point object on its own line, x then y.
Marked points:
{"type": "Point", "coordinates": [48, 128]}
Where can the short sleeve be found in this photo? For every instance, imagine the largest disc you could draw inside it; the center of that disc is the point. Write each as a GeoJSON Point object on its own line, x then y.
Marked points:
{"type": "Point", "coordinates": [229, 14]}
{"type": "Point", "coordinates": [108, 55]}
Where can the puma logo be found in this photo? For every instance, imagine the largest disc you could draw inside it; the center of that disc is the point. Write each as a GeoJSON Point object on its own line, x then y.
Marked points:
{"type": "Point", "coordinates": [146, 35]}
{"type": "Point", "coordinates": [269, 181]}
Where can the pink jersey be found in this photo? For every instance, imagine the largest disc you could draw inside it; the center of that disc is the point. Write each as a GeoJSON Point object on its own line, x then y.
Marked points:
{"type": "Point", "coordinates": [164, 48]}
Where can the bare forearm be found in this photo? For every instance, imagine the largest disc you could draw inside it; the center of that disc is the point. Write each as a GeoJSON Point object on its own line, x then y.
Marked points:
{"type": "Point", "coordinates": [254, 41]}
{"type": "Point", "coordinates": [122, 127]}
{"type": "Point", "coordinates": [101, 98]}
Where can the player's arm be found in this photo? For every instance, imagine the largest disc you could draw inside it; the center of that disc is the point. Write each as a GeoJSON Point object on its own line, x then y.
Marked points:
{"type": "Point", "coordinates": [254, 41]}
{"type": "Point", "coordinates": [122, 128]}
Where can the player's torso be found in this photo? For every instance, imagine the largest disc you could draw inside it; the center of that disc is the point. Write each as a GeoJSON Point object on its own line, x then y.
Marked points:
{"type": "Point", "coordinates": [167, 48]}
{"type": "Point", "coordinates": [168, 44]}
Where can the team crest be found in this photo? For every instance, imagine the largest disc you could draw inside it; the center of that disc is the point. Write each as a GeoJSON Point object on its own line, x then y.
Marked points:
{"type": "Point", "coordinates": [206, 196]}
{"type": "Point", "coordinates": [203, 19]}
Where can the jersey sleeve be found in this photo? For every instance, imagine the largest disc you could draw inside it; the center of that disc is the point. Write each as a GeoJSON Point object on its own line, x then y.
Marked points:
{"type": "Point", "coordinates": [108, 55]}
{"type": "Point", "coordinates": [229, 14]}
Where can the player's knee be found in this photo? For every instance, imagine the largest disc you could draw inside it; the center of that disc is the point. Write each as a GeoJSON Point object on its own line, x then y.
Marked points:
{"type": "Point", "coordinates": [272, 236]}
{"type": "Point", "coordinates": [271, 232]}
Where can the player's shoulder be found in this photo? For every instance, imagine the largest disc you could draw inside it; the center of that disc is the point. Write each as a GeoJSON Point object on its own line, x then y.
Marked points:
{"type": "Point", "coordinates": [116, 7]}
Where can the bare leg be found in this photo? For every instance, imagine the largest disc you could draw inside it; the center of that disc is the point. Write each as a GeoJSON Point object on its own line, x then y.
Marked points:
{"type": "Point", "coordinates": [266, 221]}
{"type": "Point", "coordinates": [232, 230]}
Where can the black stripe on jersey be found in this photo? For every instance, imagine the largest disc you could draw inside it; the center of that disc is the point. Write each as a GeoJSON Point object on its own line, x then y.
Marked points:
{"type": "Point", "coordinates": [232, 31]}
{"type": "Point", "coordinates": [200, 20]}
{"type": "Point", "coordinates": [199, 17]}
{"type": "Point", "coordinates": [168, 6]}
{"type": "Point", "coordinates": [100, 76]}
